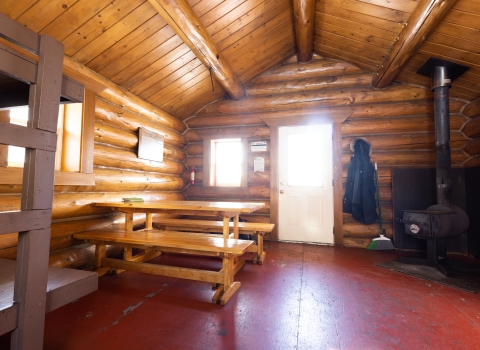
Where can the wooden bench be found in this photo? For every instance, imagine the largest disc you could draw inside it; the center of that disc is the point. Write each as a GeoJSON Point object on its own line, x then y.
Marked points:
{"type": "Point", "coordinates": [258, 229]}
{"type": "Point", "coordinates": [177, 242]}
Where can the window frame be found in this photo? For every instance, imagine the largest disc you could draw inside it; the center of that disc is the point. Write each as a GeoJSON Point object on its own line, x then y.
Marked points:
{"type": "Point", "coordinates": [207, 152]}
{"type": "Point", "coordinates": [84, 177]}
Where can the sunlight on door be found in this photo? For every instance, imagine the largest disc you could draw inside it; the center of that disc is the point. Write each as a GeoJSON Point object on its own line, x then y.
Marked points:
{"type": "Point", "coordinates": [305, 184]}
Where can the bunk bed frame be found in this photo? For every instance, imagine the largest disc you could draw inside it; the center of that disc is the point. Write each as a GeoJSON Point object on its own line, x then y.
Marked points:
{"type": "Point", "coordinates": [28, 287]}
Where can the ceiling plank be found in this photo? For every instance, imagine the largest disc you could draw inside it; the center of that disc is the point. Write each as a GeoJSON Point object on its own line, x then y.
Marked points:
{"type": "Point", "coordinates": [180, 16]}
{"type": "Point", "coordinates": [304, 15]}
{"type": "Point", "coordinates": [422, 22]}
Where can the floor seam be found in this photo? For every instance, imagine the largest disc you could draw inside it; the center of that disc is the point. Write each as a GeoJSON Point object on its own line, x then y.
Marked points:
{"type": "Point", "coordinates": [300, 298]}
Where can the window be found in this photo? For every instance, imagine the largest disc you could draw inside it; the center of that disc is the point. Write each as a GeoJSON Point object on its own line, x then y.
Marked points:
{"type": "Point", "coordinates": [226, 162]}
{"type": "Point", "coordinates": [69, 134]}
{"type": "Point", "coordinates": [224, 159]}
{"type": "Point", "coordinates": [74, 155]}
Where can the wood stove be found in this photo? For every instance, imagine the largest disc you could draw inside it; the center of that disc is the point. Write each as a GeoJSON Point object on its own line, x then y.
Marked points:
{"type": "Point", "coordinates": [443, 219]}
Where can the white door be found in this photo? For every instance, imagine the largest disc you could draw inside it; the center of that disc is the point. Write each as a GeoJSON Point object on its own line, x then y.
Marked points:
{"type": "Point", "coordinates": [305, 184]}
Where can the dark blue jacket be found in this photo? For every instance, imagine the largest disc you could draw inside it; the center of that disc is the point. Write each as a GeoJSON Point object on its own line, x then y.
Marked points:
{"type": "Point", "coordinates": [359, 199]}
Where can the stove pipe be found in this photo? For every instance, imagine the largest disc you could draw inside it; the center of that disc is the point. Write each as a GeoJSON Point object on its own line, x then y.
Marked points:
{"type": "Point", "coordinates": [440, 85]}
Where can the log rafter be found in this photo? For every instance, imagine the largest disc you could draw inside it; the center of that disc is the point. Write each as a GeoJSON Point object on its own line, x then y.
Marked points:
{"type": "Point", "coordinates": [423, 20]}
{"type": "Point", "coordinates": [181, 18]}
{"type": "Point", "coordinates": [304, 15]}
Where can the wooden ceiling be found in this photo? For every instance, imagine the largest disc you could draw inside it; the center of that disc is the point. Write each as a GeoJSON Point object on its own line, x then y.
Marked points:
{"type": "Point", "coordinates": [128, 42]}
{"type": "Point", "coordinates": [364, 31]}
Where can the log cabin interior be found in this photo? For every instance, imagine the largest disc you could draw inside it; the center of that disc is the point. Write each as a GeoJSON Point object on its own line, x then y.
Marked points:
{"type": "Point", "coordinates": [103, 246]}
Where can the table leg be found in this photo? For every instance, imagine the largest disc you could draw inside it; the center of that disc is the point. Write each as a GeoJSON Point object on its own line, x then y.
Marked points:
{"type": "Point", "coordinates": [235, 226]}
{"type": "Point", "coordinates": [226, 227]}
{"type": "Point", "coordinates": [129, 221]}
{"type": "Point", "coordinates": [149, 221]}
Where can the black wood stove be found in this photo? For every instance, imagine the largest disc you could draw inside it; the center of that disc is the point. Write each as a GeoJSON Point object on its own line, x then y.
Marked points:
{"type": "Point", "coordinates": [443, 219]}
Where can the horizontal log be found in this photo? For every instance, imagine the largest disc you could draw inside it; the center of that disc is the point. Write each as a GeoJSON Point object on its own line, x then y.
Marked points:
{"type": "Point", "coordinates": [472, 148]}
{"type": "Point", "coordinates": [387, 213]}
{"type": "Point", "coordinates": [357, 229]}
{"type": "Point", "coordinates": [472, 128]}
{"type": "Point", "coordinates": [315, 99]}
{"type": "Point", "coordinates": [107, 156]}
{"type": "Point", "coordinates": [121, 97]}
{"type": "Point", "coordinates": [111, 135]}
{"type": "Point", "coordinates": [312, 84]}
{"type": "Point", "coordinates": [397, 125]}
{"type": "Point", "coordinates": [72, 205]}
{"type": "Point", "coordinates": [253, 178]}
{"type": "Point", "coordinates": [356, 242]}
{"type": "Point", "coordinates": [472, 162]}
{"type": "Point", "coordinates": [472, 110]}
{"type": "Point", "coordinates": [194, 149]}
{"type": "Point", "coordinates": [402, 108]}
{"type": "Point", "coordinates": [192, 136]}
{"type": "Point", "coordinates": [197, 162]}
{"type": "Point", "coordinates": [223, 120]}
{"type": "Point", "coordinates": [367, 111]}
{"type": "Point", "coordinates": [413, 141]}
{"type": "Point", "coordinates": [80, 256]}
{"type": "Point", "coordinates": [240, 193]}
{"type": "Point", "coordinates": [109, 180]}
{"type": "Point", "coordinates": [117, 116]}
{"type": "Point", "coordinates": [412, 158]}
{"type": "Point", "coordinates": [194, 162]}
{"type": "Point", "coordinates": [316, 68]}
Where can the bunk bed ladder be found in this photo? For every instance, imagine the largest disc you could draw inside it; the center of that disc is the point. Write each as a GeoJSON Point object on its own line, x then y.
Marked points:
{"type": "Point", "coordinates": [26, 314]}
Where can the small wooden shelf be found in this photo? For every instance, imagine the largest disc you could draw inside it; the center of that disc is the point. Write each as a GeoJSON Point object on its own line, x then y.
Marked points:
{"type": "Point", "coordinates": [64, 286]}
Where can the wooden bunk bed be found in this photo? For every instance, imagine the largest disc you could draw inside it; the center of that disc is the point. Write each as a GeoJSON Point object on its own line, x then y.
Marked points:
{"type": "Point", "coordinates": [28, 287]}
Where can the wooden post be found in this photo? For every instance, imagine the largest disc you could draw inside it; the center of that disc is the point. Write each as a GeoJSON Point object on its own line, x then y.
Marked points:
{"type": "Point", "coordinates": [304, 15]}
{"type": "Point", "coordinates": [337, 185]}
{"type": "Point", "coordinates": [423, 20]}
{"type": "Point", "coordinates": [4, 117]}
{"type": "Point", "coordinates": [274, 181]}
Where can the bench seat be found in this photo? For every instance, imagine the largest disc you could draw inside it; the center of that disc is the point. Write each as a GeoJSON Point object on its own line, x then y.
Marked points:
{"type": "Point", "coordinates": [256, 228]}
{"type": "Point", "coordinates": [178, 242]}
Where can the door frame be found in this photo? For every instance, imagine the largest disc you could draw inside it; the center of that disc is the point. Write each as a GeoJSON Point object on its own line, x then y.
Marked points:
{"type": "Point", "coordinates": [337, 182]}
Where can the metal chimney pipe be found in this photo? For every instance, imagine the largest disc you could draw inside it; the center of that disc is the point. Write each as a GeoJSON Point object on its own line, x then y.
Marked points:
{"type": "Point", "coordinates": [440, 85]}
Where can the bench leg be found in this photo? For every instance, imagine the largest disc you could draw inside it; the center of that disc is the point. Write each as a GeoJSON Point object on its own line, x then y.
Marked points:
{"type": "Point", "coordinates": [100, 253]}
{"type": "Point", "coordinates": [260, 253]}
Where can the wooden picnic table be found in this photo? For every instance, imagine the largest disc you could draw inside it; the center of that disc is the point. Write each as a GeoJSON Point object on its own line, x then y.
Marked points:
{"type": "Point", "coordinates": [204, 208]}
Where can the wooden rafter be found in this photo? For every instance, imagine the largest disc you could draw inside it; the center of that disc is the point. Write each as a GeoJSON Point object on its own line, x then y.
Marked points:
{"type": "Point", "coordinates": [180, 16]}
{"type": "Point", "coordinates": [421, 23]}
{"type": "Point", "coordinates": [304, 14]}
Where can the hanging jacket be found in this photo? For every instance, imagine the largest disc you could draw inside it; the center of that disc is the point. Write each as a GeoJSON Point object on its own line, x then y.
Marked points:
{"type": "Point", "coordinates": [359, 199]}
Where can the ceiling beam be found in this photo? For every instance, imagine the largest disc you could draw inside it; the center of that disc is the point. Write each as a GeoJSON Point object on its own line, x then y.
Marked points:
{"type": "Point", "coordinates": [181, 18]}
{"type": "Point", "coordinates": [421, 23]}
{"type": "Point", "coordinates": [304, 15]}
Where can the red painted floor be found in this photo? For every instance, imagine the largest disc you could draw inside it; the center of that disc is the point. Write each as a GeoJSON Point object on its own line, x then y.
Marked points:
{"type": "Point", "coordinates": [303, 297]}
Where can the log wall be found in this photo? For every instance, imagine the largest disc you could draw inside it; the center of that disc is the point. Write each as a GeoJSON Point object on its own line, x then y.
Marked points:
{"type": "Point", "coordinates": [118, 173]}
{"type": "Point", "coordinates": [398, 121]}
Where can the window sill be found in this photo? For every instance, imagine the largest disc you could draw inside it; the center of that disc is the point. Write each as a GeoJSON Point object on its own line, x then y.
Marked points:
{"type": "Point", "coordinates": [14, 176]}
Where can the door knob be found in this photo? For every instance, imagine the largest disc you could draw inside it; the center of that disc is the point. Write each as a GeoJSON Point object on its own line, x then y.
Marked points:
{"type": "Point", "coordinates": [281, 191]}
